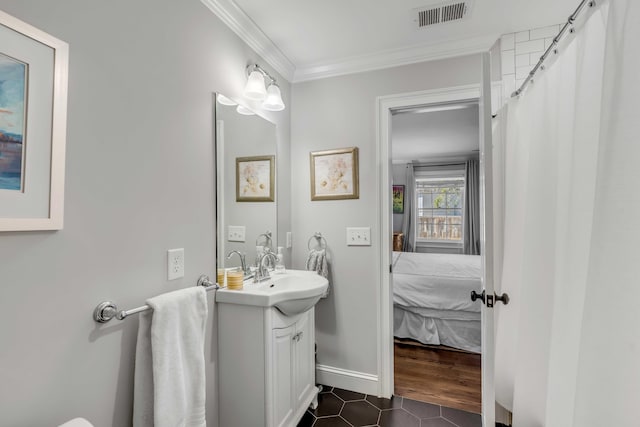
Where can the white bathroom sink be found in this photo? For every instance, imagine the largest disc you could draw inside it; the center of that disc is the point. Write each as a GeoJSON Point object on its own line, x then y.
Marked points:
{"type": "Point", "coordinates": [293, 292]}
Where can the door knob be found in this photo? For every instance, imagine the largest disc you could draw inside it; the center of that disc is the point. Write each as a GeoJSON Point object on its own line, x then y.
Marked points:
{"type": "Point", "coordinates": [489, 299]}
{"type": "Point", "coordinates": [475, 296]}
{"type": "Point", "coordinates": [504, 298]}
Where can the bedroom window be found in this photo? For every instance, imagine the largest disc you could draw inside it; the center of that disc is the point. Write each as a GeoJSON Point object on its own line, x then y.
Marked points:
{"type": "Point", "coordinates": [439, 208]}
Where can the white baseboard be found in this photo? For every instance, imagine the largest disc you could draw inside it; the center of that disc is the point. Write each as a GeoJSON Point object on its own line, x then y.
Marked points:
{"type": "Point", "coordinates": [502, 415]}
{"type": "Point", "coordinates": [348, 380]}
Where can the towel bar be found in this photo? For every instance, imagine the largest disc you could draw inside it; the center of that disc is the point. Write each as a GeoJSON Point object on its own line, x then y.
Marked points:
{"type": "Point", "coordinates": [107, 310]}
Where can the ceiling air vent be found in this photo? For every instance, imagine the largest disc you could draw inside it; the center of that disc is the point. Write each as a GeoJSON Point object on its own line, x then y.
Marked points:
{"type": "Point", "coordinates": [445, 12]}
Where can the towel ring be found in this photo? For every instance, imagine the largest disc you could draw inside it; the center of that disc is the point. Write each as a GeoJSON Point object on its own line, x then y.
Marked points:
{"type": "Point", "coordinates": [322, 242]}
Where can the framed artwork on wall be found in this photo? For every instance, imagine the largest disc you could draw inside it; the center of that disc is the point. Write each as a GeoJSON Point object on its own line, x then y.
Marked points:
{"type": "Point", "coordinates": [398, 199]}
{"type": "Point", "coordinates": [33, 116]}
{"type": "Point", "coordinates": [255, 178]}
{"type": "Point", "coordinates": [334, 174]}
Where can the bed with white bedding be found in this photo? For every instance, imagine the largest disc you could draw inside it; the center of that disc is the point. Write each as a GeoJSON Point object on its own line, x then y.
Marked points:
{"type": "Point", "coordinates": [431, 299]}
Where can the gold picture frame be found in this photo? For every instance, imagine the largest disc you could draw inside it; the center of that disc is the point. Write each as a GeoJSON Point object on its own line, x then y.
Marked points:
{"type": "Point", "coordinates": [255, 178]}
{"type": "Point", "coordinates": [334, 174]}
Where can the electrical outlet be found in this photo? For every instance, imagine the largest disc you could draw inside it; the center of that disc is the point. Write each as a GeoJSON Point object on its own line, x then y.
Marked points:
{"type": "Point", "coordinates": [175, 263]}
{"type": "Point", "coordinates": [358, 236]}
{"type": "Point", "coordinates": [236, 233]}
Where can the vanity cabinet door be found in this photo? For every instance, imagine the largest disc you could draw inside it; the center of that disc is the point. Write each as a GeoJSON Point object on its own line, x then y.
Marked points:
{"type": "Point", "coordinates": [304, 358]}
{"type": "Point", "coordinates": [284, 343]}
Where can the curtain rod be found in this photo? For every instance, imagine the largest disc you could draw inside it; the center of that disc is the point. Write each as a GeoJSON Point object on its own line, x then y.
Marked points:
{"type": "Point", "coordinates": [553, 47]}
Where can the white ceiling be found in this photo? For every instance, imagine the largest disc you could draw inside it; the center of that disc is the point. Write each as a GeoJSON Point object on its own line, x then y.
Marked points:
{"type": "Point", "coordinates": [434, 134]}
{"type": "Point", "coordinates": [329, 37]}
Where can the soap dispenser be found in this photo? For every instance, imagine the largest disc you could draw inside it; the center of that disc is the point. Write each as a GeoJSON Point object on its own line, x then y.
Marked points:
{"type": "Point", "coordinates": [280, 263]}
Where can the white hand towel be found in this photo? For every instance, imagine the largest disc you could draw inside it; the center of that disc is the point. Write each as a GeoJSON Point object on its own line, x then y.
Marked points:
{"type": "Point", "coordinates": [143, 375]}
{"type": "Point", "coordinates": [317, 261]}
{"type": "Point", "coordinates": [312, 260]}
{"type": "Point", "coordinates": [170, 384]}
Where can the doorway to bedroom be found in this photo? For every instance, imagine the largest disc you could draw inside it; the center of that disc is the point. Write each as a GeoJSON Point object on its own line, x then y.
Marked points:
{"type": "Point", "coordinates": [436, 263]}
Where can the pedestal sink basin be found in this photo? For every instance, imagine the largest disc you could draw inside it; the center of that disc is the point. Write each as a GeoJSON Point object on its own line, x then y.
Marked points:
{"type": "Point", "coordinates": [293, 292]}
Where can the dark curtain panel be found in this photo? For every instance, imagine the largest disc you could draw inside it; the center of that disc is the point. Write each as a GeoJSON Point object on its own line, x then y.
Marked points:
{"type": "Point", "coordinates": [472, 208]}
{"type": "Point", "coordinates": [408, 230]}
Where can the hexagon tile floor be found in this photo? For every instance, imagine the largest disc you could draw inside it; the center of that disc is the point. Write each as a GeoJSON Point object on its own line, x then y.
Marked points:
{"type": "Point", "coordinates": [343, 408]}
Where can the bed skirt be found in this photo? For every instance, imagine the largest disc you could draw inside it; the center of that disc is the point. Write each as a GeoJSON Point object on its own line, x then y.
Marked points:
{"type": "Point", "coordinates": [458, 329]}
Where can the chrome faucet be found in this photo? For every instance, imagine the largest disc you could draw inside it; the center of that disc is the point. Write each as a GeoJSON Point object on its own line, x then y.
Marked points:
{"type": "Point", "coordinates": [243, 263]}
{"type": "Point", "coordinates": [262, 273]}
{"type": "Point", "coordinates": [267, 240]}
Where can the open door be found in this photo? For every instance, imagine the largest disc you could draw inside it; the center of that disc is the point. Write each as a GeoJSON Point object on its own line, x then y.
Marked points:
{"type": "Point", "coordinates": [487, 298]}
{"type": "Point", "coordinates": [385, 106]}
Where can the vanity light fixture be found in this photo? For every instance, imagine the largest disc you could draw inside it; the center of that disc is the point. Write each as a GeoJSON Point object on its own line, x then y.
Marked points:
{"type": "Point", "coordinates": [255, 89]}
{"type": "Point", "coordinates": [273, 102]}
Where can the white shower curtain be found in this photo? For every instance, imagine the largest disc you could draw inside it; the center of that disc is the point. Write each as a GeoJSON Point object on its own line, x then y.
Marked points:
{"type": "Point", "coordinates": [570, 146]}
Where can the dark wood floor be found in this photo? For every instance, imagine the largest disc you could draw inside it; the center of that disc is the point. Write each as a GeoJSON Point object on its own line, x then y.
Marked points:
{"type": "Point", "coordinates": [438, 375]}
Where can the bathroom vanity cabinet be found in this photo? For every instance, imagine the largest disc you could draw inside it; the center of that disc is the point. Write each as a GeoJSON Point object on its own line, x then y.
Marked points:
{"type": "Point", "coordinates": [266, 366]}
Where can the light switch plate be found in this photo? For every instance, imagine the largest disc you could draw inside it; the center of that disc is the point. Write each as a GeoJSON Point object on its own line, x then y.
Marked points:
{"type": "Point", "coordinates": [358, 236]}
{"type": "Point", "coordinates": [175, 263]}
{"type": "Point", "coordinates": [289, 240]}
{"type": "Point", "coordinates": [236, 233]}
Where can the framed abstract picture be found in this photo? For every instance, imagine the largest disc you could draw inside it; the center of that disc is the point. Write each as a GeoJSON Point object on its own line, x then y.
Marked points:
{"type": "Point", "coordinates": [255, 179]}
{"type": "Point", "coordinates": [398, 199]}
{"type": "Point", "coordinates": [33, 115]}
{"type": "Point", "coordinates": [334, 174]}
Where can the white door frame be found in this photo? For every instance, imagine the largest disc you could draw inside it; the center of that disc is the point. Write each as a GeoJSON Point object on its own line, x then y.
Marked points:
{"type": "Point", "coordinates": [385, 105]}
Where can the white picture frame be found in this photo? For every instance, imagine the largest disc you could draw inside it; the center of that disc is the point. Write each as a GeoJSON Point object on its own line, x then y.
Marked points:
{"type": "Point", "coordinates": [46, 59]}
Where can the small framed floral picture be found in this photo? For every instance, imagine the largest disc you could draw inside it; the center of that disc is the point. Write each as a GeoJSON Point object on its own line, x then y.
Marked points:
{"type": "Point", "coordinates": [255, 178]}
{"type": "Point", "coordinates": [334, 174]}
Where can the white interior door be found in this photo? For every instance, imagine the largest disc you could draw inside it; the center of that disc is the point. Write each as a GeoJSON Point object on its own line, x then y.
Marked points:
{"type": "Point", "coordinates": [385, 105]}
{"type": "Point", "coordinates": [486, 245]}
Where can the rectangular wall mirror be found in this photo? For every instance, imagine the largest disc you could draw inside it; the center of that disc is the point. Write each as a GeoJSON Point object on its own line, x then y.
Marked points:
{"type": "Point", "coordinates": [247, 194]}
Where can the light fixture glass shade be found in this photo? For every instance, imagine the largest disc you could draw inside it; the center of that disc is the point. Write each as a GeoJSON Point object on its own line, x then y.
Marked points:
{"type": "Point", "coordinates": [255, 87]}
{"type": "Point", "coordinates": [225, 101]}
{"type": "Point", "coordinates": [241, 109]}
{"type": "Point", "coordinates": [273, 102]}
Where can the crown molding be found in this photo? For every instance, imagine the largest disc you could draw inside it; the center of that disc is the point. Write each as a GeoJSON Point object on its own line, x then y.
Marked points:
{"type": "Point", "coordinates": [395, 58]}
{"type": "Point", "coordinates": [244, 27]}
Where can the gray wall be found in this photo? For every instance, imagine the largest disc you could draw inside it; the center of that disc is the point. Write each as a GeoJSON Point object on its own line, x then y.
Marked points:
{"type": "Point", "coordinates": [140, 180]}
{"type": "Point", "coordinates": [335, 113]}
